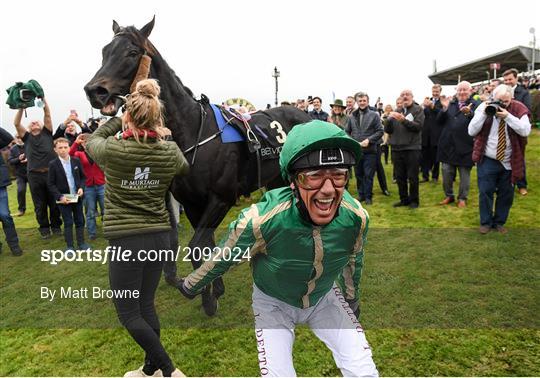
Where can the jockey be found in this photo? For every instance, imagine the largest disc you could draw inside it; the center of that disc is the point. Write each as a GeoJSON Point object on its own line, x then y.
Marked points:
{"type": "Point", "coordinates": [302, 239]}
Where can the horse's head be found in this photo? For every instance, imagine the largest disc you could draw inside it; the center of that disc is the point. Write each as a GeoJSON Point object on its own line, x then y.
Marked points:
{"type": "Point", "coordinates": [120, 63]}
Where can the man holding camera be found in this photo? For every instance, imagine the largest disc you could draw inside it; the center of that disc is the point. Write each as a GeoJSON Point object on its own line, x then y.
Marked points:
{"type": "Point", "coordinates": [500, 129]}
{"type": "Point", "coordinates": [38, 140]}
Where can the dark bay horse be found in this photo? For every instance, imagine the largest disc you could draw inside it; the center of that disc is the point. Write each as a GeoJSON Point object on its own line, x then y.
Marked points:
{"type": "Point", "coordinates": [220, 172]}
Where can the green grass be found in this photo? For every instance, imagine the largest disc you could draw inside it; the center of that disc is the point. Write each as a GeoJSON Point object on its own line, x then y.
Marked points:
{"type": "Point", "coordinates": [438, 299]}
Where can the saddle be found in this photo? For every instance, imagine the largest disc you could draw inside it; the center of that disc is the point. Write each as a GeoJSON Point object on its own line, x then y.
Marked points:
{"type": "Point", "coordinates": [262, 133]}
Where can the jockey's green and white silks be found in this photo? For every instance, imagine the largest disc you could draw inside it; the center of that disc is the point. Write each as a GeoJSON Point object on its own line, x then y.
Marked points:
{"type": "Point", "coordinates": [292, 260]}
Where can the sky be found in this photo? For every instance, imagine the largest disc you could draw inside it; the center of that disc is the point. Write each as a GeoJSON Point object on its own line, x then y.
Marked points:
{"type": "Point", "coordinates": [227, 49]}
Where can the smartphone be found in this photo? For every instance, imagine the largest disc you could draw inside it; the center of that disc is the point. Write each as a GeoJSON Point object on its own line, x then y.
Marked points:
{"type": "Point", "coordinates": [310, 99]}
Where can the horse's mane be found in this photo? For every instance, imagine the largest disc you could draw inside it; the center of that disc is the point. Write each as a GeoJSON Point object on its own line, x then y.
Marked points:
{"type": "Point", "coordinates": [140, 40]}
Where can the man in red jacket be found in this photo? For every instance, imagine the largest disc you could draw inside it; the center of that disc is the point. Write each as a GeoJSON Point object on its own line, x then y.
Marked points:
{"type": "Point", "coordinates": [499, 146]}
{"type": "Point", "coordinates": [95, 183]}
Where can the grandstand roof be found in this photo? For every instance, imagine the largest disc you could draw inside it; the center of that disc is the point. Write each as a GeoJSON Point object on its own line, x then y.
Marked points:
{"type": "Point", "coordinates": [478, 70]}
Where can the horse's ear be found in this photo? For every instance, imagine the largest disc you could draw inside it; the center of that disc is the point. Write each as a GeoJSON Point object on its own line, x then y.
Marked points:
{"type": "Point", "coordinates": [115, 27]}
{"type": "Point", "coordinates": [147, 29]}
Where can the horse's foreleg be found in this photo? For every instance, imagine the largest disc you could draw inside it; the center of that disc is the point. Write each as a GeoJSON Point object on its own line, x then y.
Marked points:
{"type": "Point", "coordinates": [212, 216]}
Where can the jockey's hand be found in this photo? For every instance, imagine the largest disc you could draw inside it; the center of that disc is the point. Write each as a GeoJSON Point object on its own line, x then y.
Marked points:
{"type": "Point", "coordinates": [355, 307]}
{"type": "Point", "coordinates": [185, 291]}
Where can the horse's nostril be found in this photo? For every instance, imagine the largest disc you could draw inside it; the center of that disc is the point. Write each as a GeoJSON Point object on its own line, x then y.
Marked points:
{"type": "Point", "coordinates": [100, 91]}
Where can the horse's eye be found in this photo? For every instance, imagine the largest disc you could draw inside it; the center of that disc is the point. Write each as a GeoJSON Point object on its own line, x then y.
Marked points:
{"type": "Point", "coordinates": [133, 53]}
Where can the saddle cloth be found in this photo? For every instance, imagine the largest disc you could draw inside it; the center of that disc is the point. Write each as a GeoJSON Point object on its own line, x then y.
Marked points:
{"type": "Point", "coordinates": [229, 133]}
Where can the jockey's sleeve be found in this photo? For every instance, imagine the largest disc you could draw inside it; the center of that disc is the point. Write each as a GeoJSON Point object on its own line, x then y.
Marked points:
{"type": "Point", "coordinates": [239, 245]}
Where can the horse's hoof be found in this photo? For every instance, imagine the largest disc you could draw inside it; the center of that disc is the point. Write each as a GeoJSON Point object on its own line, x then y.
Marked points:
{"type": "Point", "coordinates": [209, 303]}
{"type": "Point", "coordinates": [218, 288]}
{"type": "Point", "coordinates": [173, 281]}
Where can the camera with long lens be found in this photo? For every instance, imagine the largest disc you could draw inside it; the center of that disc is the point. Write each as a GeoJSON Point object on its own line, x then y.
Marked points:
{"type": "Point", "coordinates": [492, 107]}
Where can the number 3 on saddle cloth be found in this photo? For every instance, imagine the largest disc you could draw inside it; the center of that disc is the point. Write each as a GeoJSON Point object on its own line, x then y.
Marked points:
{"type": "Point", "coordinates": [262, 133]}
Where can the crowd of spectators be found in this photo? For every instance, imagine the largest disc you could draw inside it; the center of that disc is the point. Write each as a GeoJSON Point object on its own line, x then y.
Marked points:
{"type": "Point", "coordinates": [424, 136]}
{"type": "Point", "coordinates": [37, 164]}
{"type": "Point", "coordinates": [439, 131]}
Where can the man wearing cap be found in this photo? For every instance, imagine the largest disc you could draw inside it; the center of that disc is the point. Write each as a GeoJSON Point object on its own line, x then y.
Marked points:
{"type": "Point", "coordinates": [300, 240]}
{"type": "Point", "coordinates": [338, 117]}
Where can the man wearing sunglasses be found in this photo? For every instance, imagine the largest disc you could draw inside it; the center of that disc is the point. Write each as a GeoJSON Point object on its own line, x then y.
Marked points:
{"type": "Point", "coordinates": [301, 240]}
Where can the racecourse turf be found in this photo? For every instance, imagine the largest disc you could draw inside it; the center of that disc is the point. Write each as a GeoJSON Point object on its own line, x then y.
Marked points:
{"type": "Point", "coordinates": [438, 298]}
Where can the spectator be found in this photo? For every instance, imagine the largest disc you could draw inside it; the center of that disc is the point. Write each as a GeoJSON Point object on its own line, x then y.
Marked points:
{"type": "Point", "coordinates": [351, 105]}
{"type": "Point", "coordinates": [499, 147]}
{"type": "Point", "coordinates": [405, 129]}
{"type": "Point", "coordinates": [431, 133]}
{"type": "Point", "coordinates": [300, 287]}
{"type": "Point", "coordinates": [8, 225]}
{"type": "Point", "coordinates": [94, 192]}
{"type": "Point", "coordinates": [338, 117]}
{"type": "Point", "coordinates": [364, 126]}
{"type": "Point", "coordinates": [534, 82]}
{"type": "Point", "coordinates": [455, 144]}
{"type": "Point", "coordinates": [522, 95]}
{"type": "Point", "coordinates": [518, 91]}
{"type": "Point", "coordinates": [39, 152]}
{"type": "Point", "coordinates": [494, 83]}
{"type": "Point", "coordinates": [17, 159]}
{"type": "Point", "coordinates": [379, 170]}
{"type": "Point", "coordinates": [94, 123]}
{"type": "Point", "coordinates": [317, 112]}
{"type": "Point", "coordinates": [485, 93]}
{"type": "Point", "coordinates": [302, 104]}
{"type": "Point", "coordinates": [385, 148]}
{"type": "Point", "coordinates": [135, 215]}
{"type": "Point", "coordinates": [379, 106]}
{"type": "Point", "coordinates": [68, 128]}
{"type": "Point", "coordinates": [66, 179]}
